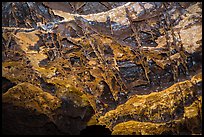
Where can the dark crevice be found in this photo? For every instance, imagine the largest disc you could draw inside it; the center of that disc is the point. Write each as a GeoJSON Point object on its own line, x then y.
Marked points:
{"type": "Point", "coordinates": [95, 130]}
{"type": "Point", "coordinates": [6, 84]}
{"type": "Point", "coordinates": [48, 87]}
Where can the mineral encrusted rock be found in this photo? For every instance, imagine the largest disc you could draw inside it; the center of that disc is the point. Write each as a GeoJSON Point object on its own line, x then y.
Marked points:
{"type": "Point", "coordinates": [134, 67]}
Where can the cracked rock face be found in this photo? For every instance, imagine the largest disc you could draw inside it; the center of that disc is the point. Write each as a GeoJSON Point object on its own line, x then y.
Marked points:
{"type": "Point", "coordinates": [133, 67]}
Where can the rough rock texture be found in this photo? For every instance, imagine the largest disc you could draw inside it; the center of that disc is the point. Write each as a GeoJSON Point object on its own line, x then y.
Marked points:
{"type": "Point", "coordinates": [134, 67]}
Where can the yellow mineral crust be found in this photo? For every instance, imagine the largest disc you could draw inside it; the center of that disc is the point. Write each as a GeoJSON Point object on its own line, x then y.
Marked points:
{"type": "Point", "coordinates": [27, 39]}
{"type": "Point", "coordinates": [66, 89]}
{"type": "Point", "coordinates": [30, 39]}
{"type": "Point", "coordinates": [194, 109]}
{"type": "Point", "coordinates": [153, 105]}
{"type": "Point", "coordinates": [32, 97]}
{"type": "Point", "coordinates": [139, 128]}
{"type": "Point", "coordinates": [17, 72]}
{"type": "Point", "coordinates": [148, 128]}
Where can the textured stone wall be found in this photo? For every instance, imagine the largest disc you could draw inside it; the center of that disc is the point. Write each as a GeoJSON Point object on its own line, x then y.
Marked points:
{"type": "Point", "coordinates": [135, 67]}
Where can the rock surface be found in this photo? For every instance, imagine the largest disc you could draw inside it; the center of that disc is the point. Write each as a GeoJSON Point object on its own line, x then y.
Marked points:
{"type": "Point", "coordinates": [134, 67]}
